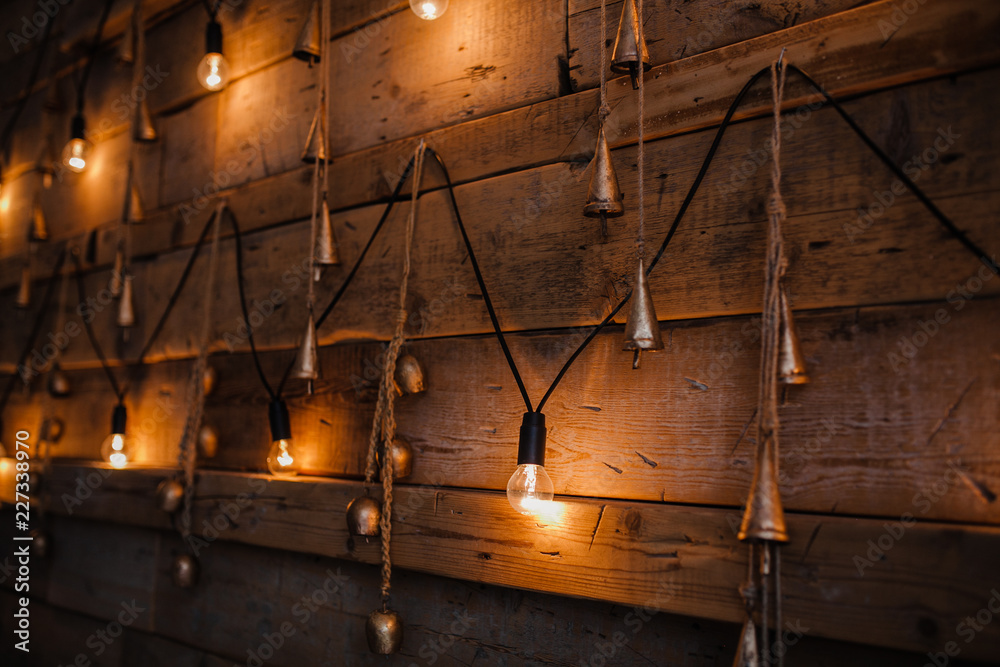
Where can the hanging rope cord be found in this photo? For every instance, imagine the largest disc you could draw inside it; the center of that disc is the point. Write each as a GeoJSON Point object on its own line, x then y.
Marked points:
{"type": "Point", "coordinates": [81, 89]}
{"type": "Point", "coordinates": [640, 241]}
{"type": "Point", "coordinates": [8, 130]}
{"type": "Point", "coordinates": [604, 110]}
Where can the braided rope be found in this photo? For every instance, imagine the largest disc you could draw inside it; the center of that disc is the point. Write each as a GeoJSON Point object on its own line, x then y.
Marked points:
{"type": "Point", "coordinates": [640, 241]}
{"type": "Point", "coordinates": [196, 384]}
{"type": "Point", "coordinates": [604, 111]}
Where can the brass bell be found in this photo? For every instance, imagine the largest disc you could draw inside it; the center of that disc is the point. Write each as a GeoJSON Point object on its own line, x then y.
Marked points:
{"type": "Point", "coordinates": [630, 45]}
{"type": "Point", "coordinates": [209, 380]}
{"type": "Point", "coordinates": [791, 363]}
{"type": "Point", "coordinates": [746, 653]}
{"type": "Point", "coordinates": [363, 516]}
{"type": "Point", "coordinates": [185, 571]}
{"type": "Point", "coordinates": [327, 253]}
{"type": "Point", "coordinates": [604, 197]}
{"type": "Point", "coordinates": [316, 141]}
{"type": "Point", "coordinates": [384, 630]}
{"type": "Point", "coordinates": [142, 128]}
{"type": "Point", "coordinates": [126, 50]}
{"type": "Point", "coordinates": [38, 231]}
{"type": "Point", "coordinates": [169, 495]}
{"type": "Point", "coordinates": [642, 330]}
{"type": "Point", "coordinates": [24, 288]}
{"type": "Point", "coordinates": [410, 375]}
{"type": "Point", "coordinates": [402, 458]}
{"type": "Point", "coordinates": [308, 46]}
{"type": "Point", "coordinates": [764, 516]}
{"type": "Point", "coordinates": [306, 365]}
{"type": "Point", "coordinates": [58, 382]}
{"type": "Point", "coordinates": [208, 442]}
{"type": "Point", "coordinates": [126, 314]}
{"type": "Point", "coordinates": [134, 210]}
{"type": "Point", "coordinates": [39, 544]}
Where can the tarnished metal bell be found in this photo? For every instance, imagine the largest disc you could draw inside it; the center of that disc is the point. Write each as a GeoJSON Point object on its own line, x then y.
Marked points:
{"type": "Point", "coordinates": [630, 51]}
{"type": "Point", "coordinates": [410, 375]}
{"type": "Point", "coordinates": [764, 516]}
{"type": "Point", "coordinates": [208, 442]}
{"type": "Point", "coordinates": [604, 196]}
{"type": "Point", "coordinates": [24, 288]}
{"type": "Point", "coordinates": [209, 379]}
{"type": "Point", "coordinates": [126, 314]}
{"type": "Point", "coordinates": [58, 382]}
{"type": "Point", "coordinates": [746, 653]}
{"type": "Point", "coordinates": [39, 230]}
{"type": "Point", "coordinates": [185, 571]}
{"type": "Point", "coordinates": [143, 129]}
{"type": "Point", "coordinates": [307, 46]}
{"type": "Point", "coordinates": [169, 495]}
{"type": "Point", "coordinates": [384, 630]}
{"type": "Point", "coordinates": [791, 363]}
{"type": "Point", "coordinates": [363, 516]}
{"type": "Point", "coordinates": [306, 365]}
{"type": "Point", "coordinates": [115, 284]}
{"type": "Point", "coordinates": [316, 141]}
{"type": "Point", "coordinates": [327, 252]}
{"type": "Point", "coordinates": [40, 544]}
{"type": "Point", "coordinates": [642, 329]}
{"type": "Point", "coordinates": [402, 458]}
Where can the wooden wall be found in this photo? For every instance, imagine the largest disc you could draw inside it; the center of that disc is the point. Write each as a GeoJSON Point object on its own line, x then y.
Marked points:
{"type": "Point", "coordinates": [651, 466]}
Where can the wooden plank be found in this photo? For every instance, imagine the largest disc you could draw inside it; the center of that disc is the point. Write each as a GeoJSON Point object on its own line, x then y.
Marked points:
{"type": "Point", "coordinates": [563, 129]}
{"type": "Point", "coordinates": [678, 30]}
{"type": "Point", "coordinates": [931, 577]}
{"type": "Point", "coordinates": [839, 256]}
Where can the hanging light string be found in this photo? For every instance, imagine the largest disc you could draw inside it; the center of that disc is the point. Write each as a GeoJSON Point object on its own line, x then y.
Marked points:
{"type": "Point", "coordinates": [188, 450]}
{"type": "Point", "coordinates": [138, 69]}
{"type": "Point", "coordinates": [81, 88]}
{"type": "Point", "coordinates": [212, 7]}
{"type": "Point", "coordinates": [324, 50]}
{"type": "Point", "coordinates": [604, 111]}
{"type": "Point", "coordinates": [640, 241]}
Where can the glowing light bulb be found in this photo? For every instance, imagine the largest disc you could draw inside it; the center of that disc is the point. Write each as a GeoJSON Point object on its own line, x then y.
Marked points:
{"type": "Point", "coordinates": [429, 9]}
{"type": "Point", "coordinates": [76, 153]}
{"type": "Point", "coordinates": [282, 460]}
{"type": "Point", "coordinates": [213, 71]}
{"type": "Point", "coordinates": [530, 490]}
{"type": "Point", "coordinates": [117, 447]}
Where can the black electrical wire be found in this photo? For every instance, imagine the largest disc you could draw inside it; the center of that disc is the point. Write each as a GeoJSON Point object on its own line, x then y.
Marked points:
{"type": "Point", "coordinates": [482, 284]}
{"type": "Point", "coordinates": [357, 264]}
{"type": "Point", "coordinates": [212, 8]}
{"type": "Point", "coordinates": [82, 293]}
{"type": "Point", "coordinates": [8, 130]}
{"type": "Point", "coordinates": [36, 328]}
{"type": "Point", "coordinates": [82, 88]}
{"type": "Point", "coordinates": [896, 169]}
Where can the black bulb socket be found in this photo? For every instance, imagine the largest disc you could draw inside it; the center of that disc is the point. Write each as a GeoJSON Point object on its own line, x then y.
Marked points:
{"type": "Point", "coordinates": [531, 445]}
{"type": "Point", "coordinates": [281, 428]}
{"type": "Point", "coordinates": [77, 127]}
{"type": "Point", "coordinates": [118, 418]}
{"type": "Point", "coordinates": [213, 37]}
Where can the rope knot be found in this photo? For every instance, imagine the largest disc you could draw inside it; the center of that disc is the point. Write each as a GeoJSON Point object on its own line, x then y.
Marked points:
{"type": "Point", "coordinates": [776, 205]}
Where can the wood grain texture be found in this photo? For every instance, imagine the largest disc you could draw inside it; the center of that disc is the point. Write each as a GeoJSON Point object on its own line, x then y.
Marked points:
{"type": "Point", "coordinates": [872, 435]}
{"type": "Point", "coordinates": [676, 559]}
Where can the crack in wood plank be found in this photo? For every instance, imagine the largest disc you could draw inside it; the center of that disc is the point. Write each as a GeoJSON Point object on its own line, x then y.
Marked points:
{"type": "Point", "coordinates": [949, 412]}
{"type": "Point", "coordinates": [600, 517]}
{"type": "Point", "coordinates": [743, 433]}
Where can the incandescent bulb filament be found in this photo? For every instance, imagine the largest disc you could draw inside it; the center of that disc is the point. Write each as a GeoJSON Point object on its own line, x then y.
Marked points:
{"type": "Point", "coordinates": [213, 70]}
{"type": "Point", "coordinates": [117, 447]}
{"type": "Point", "coordinates": [282, 459]}
{"type": "Point", "coordinates": [77, 149]}
{"type": "Point", "coordinates": [530, 490]}
{"type": "Point", "coordinates": [428, 9]}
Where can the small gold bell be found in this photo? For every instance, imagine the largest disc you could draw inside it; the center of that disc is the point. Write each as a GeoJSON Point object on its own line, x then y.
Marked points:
{"type": "Point", "coordinates": [24, 288]}
{"type": "Point", "coordinates": [410, 375]}
{"type": "Point", "coordinates": [126, 314]}
{"type": "Point", "coordinates": [58, 382]}
{"type": "Point", "coordinates": [115, 284]}
{"type": "Point", "coordinates": [307, 361]}
{"type": "Point", "coordinates": [791, 363]}
{"type": "Point", "coordinates": [384, 630]}
{"type": "Point", "coordinates": [764, 516]}
{"type": "Point", "coordinates": [185, 571]}
{"type": "Point", "coordinates": [402, 458]}
{"type": "Point", "coordinates": [209, 379]}
{"type": "Point", "coordinates": [630, 45]}
{"type": "Point", "coordinates": [143, 129]}
{"type": "Point", "coordinates": [39, 231]}
{"type": "Point", "coordinates": [327, 253]}
{"type": "Point", "coordinates": [126, 50]}
{"type": "Point", "coordinates": [604, 197]}
{"type": "Point", "coordinates": [307, 47]}
{"type": "Point", "coordinates": [642, 330]}
{"type": "Point", "coordinates": [40, 544]}
{"type": "Point", "coordinates": [134, 209]}
{"type": "Point", "coordinates": [363, 516]}
{"type": "Point", "coordinates": [169, 495]}
{"type": "Point", "coordinates": [316, 141]}
{"type": "Point", "coordinates": [208, 442]}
